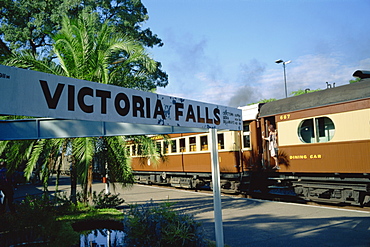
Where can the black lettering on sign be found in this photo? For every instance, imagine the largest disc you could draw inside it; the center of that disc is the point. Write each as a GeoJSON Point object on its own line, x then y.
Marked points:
{"type": "Point", "coordinates": [178, 113]}
{"type": "Point", "coordinates": [190, 114]}
{"type": "Point", "coordinates": [147, 107]}
{"type": "Point", "coordinates": [104, 95]}
{"type": "Point", "coordinates": [158, 110]}
{"type": "Point", "coordinates": [123, 111]}
{"type": "Point", "coordinates": [137, 106]}
{"type": "Point", "coordinates": [200, 119]}
{"type": "Point", "coordinates": [208, 120]}
{"type": "Point", "coordinates": [5, 76]}
{"type": "Point", "coordinates": [71, 98]}
{"type": "Point", "coordinates": [141, 107]}
{"type": "Point", "coordinates": [81, 99]}
{"type": "Point", "coordinates": [216, 113]}
{"type": "Point", "coordinates": [52, 101]}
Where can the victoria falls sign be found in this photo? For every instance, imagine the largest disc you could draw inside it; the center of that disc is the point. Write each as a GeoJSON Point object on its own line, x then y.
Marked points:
{"type": "Point", "coordinates": [36, 94]}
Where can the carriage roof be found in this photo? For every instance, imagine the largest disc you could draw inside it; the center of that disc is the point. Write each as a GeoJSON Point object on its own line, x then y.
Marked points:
{"type": "Point", "coordinates": [336, 95]}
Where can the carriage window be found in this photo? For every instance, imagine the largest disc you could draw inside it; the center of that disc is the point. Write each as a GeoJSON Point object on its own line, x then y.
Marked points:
{"type": "Point", "coordinates": [174, 146]}
{"type": "Point", "coordinates": [133, 150]}
{"type": "Point", "coordinates": [204, 143]}
{"type": "Point", "coordinates": [306, 131]}
{"type": "Point", "coordinates": [221, 142]}
{"type": "Point", "coordinates": [325, 129]}
{"type": "Point", "coordinates": [192, 144]}
{"type": "Point", "coordinates": [322, 131]}
{"type": "Point", "coordinates": [139, 149]}
{"type": "Point", "coordinates": [246, 141]}
{"type": "Point", "coordinates": [182, 145]}
{"type": "Point", "coordinates": [246, 127]}
{"type": "Point", "coordinates": [246, 135]}
{"type": "Point", "coordinates": [159, 147]}
{"type": "Point", "coordinates": [165, 147]}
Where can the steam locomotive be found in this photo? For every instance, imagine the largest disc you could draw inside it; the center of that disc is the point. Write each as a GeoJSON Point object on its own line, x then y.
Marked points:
{"type": "Point", "coordinates": [323, 149]}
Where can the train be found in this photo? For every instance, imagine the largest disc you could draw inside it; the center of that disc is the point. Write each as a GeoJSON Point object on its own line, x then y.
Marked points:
{"type": "Point", "coordinates": [323, 142]}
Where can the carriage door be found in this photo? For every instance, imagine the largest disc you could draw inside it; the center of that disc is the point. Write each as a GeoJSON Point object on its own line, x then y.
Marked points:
{"type": "Point", "coordinates": [266, 157]}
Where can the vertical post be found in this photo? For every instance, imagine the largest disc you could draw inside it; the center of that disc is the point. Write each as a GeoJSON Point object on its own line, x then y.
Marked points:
{"type": "Point", "coordinates": [106, 178]}
{"type": "Point", "coordinates": [108, 238]}
{"type": "Point", "coordinates": [216, 189]}
{"type": "Point", "coordinates": [107, 191]}
{"type": "Point", "coordinates": [286, 91]}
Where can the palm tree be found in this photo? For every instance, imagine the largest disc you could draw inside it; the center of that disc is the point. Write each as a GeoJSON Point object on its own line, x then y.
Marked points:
{"type": "Point", "coordinates": [88, 50]}
{"type": "Point", "coordinates": [39, 155]}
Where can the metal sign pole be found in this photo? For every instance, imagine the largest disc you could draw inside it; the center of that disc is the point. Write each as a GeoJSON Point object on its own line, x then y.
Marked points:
{"type": "Point", "coordinates": [216, 189]}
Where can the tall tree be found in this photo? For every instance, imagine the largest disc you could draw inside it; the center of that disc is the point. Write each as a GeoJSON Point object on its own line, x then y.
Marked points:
{"type": "Point", "coordinates": [86, 49]}
{"type": "Point", "coordinates": [30, 25]}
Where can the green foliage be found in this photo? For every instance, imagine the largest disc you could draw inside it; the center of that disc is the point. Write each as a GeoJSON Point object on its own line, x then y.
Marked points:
{"type": "Point", "coordinates": [36, 222]}
{"type": "Point", "coordinates": [83, 152]}
{"type": "Point", "coordinates": [85, 49]}
{"type": "Point", "coordinates": [95, 40]}
{"type": "Point", "coordinates": [153, 225]}
{"type": "Point", "coordinates": [264, 101]}
{"type": "Point", "coordinates": [31, 25]}
{"type": "Point", "coordinates": [147, 148]}
{"type": "Point", "coordinates": [355, 80]}
{"type": "Point", "coordinates": [118, 160]}
{"type": "Point", "coordinates": [99, 201]}
{"type": "Point", "coordinates": [46, 221]}
{"type": "Point", "coordinates": [35, 202]}
{"type": "Point", "coordinates": [301, 91]}
{"type": "Point", "coordinates": [109, 200]}
{"type": "Point", "coordinates": [16, 152]}
{"type": "Point", "coordinates": [295, 93]}
{"type": "Point", "coordinates": [90, 51]}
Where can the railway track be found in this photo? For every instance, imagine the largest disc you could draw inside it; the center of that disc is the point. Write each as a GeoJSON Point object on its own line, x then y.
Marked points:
{"type": "Point", "coordinates": [274, 197]}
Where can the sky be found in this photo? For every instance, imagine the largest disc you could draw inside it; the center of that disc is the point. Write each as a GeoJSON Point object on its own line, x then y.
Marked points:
{"type": "Point", "coordinates": [224, 51]}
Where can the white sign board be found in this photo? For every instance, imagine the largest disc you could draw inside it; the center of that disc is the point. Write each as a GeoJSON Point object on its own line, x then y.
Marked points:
{"type": "Point", "coordinates": [31, 93]}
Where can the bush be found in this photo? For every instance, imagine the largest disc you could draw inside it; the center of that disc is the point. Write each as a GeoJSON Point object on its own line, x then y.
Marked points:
{"type": "Point", "coordinates": [36, 202]}
{"type": "Point", "coordinates": [152, 225]}
{"type": "Point", "coordinates": [109, 200]}
{"type": "Point", "coordinates": [35, 223]}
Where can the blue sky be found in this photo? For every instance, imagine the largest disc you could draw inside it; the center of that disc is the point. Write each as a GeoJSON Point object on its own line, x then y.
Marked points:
{"type": "Point", "coordinates": [224, 51]}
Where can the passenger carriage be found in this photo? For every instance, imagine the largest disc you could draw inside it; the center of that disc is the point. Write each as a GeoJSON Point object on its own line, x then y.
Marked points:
{"type": "Point", "coordinates": [323, 149]}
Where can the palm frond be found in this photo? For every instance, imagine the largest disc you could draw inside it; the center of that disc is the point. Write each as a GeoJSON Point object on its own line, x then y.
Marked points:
{"type": "Point", "coordinates": [147, 148]}
{"type": "Point", "coordinates": [3, 146]}
{"type": "Point", "coordinates": [28, 60]}
{"type": "Point", "coordinates": [83, 150]}
{"type": "Point", "coordinates": [118, 160]}
{"type": "Point", "coordinates": [37, 150]}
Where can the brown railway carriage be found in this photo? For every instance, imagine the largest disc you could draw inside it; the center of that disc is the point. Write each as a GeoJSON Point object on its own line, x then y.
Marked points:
{"type": "Point", "coordinates": [324, 142]}
{"type": "Point", "coordinates": [187, 162]}
{"type": "Point", "coordinates": [187, 159]}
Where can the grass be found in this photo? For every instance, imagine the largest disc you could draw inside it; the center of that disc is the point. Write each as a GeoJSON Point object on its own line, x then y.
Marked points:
{"type": "Point", "coordinates": [90, 213]}
{"type": "Point", "coordinates": [44, 222]}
